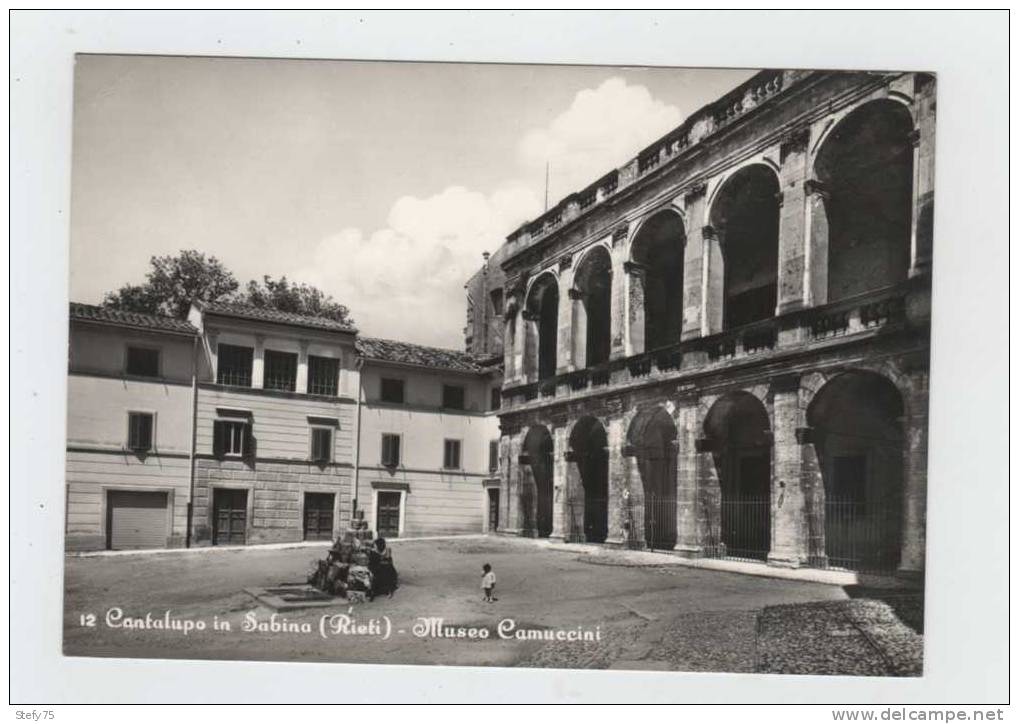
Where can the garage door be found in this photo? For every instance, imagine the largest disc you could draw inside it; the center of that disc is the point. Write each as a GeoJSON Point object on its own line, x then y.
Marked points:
{"type": "Point", "coordinates": [135, 520]}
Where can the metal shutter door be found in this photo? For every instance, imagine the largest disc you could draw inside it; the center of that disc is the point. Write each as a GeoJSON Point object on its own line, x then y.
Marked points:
{"type": "Point", "coordinates": [136, 520]}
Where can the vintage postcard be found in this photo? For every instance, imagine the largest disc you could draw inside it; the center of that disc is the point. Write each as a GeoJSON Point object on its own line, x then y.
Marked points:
{"type": "Point", "coordinates": [499, 365]}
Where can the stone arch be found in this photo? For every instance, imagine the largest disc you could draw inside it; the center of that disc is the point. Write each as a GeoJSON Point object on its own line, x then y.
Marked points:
{"type": "Point", "coordinates": [743, 272]}
{"type": "Point", "coordinates": [856, 428]}
{"type": "Point", "coordinates": [865, 170]}
{"type": "Point", "coordinates": [655, 275]}
{"type": "Point", "coordinates": [541, 325]}
{"type": "Point", "coordinates": [589, 498]}
{"type": "Point", "coordinates": [536, 492]}
{"type": "Point", "coordinates": [737, 429]}
{"type": "Point", "coordinates": [652, 438]}
{"type": "Point", "coordinates": [591, 299]}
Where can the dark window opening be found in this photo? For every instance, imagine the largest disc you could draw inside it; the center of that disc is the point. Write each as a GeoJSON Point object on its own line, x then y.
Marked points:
{"type": "Point", "coordinates": [143, 362]}
{"type": "Point", "coordinates": [234, 365]}
{"type": "Point", "coordinates": [451, 455]}
{"type": "Point", "coordinates": [321, 444]}
{"type": "Point", "coordinates": [453, 397]}
{"type": "Point", "coordinates": [496, 297]}
{"type": "Point", "coordinates": [493, 456]}
{"type": "Point", "coordinates": [139, 434]}
{"type": "Point", "coordinates": [280, 371]}
{"type": "Point", "coordinates": [323, 373]}
{"type": "Point", "coordinates": [232, 438]}
{"type": "Point", "coordinates": [392, 390]}
{"type": "Point", "coordinates": [496, 398]}
{"type": "Point", "coordinates": [390, 450]}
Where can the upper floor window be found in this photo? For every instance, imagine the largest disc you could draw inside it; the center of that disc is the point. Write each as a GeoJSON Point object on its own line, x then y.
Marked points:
{"type": "Point", "coordinates": [323, 373]}
{"type": "Point", "coordinates": [280, 371]}
{"type": "Point", "coordinates": [496, 297]}
{"type": "Point", "coordinates": [390, 450]}
{"type": "Point", "coordinates": [493, 456]}
{"type": "Point", "coordinates": [232, 438]}
{"type": "Point", "coordinates": [139, 431]}
{"type": "Point", "coordinates": [496, 401]}
{"type": "Point", "coordinates": [234, 365]}
{"type": "Point", "coordinates": [392, 390]}
{"type": "Point", "coordinates": [453, 397]}
{"type": "Point", "coordinates": [143, 361]}
{"type": "Point", "coordinates": [321, 444]}
{"type": "Point", "coordinates": [451, 455]}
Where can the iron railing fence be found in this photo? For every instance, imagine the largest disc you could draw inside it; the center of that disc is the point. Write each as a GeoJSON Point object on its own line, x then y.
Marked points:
{"type": "Point", "coordinates": [587, 520]}
{"type": "Point", "coordinates": [649, 523]}
{"type": "Point", "coordinates": [741, 530]}
{"type": "Point", "coordinates": [861, 536]}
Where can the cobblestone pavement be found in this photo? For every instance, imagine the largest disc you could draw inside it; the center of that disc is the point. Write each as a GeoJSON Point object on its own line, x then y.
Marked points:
{"type": "Point", "coordinates": [648, 615]}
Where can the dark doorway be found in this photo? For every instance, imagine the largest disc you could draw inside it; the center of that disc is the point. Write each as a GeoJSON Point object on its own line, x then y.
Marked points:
{"type": "Point", "coordinates": [493, 510]}
{"type": "Point", "coordinates": [745, 217]}
{"type": "Point", "coordinates": [387, 512]}
{"type": "Point", "coordinates": [653, 436]}
{"type": "Point", "coordinates": [857, 428]}
{"type": "Point", "coordinates": [230, 516]}
{"type": "Point", "coordinates": [866, 168]}
{"type": "Point", "coordinates": [538, 448]}
{"type": "Point", "coordinates": [589, 443]}
{"type": "Point", "coordinates": [658, 249]}
{"type": "Point", "coordinates": [739, 432]}
{"type": "Point", "coordinates": [318, 516]}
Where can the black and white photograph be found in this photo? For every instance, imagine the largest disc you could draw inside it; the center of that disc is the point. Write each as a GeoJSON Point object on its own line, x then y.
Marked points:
{"type": "Point", "coordinates": [610, 366]}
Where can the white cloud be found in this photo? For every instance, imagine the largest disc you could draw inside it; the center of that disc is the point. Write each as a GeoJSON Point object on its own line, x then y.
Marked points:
{"type": "Point", "coordinates": [405, 281]}
{"type": "Point", "coordinates": [603, 128]}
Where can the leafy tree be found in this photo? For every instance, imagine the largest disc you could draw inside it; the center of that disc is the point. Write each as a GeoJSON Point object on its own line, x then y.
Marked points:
{"type": "Point", "coordinates": [287, 296]}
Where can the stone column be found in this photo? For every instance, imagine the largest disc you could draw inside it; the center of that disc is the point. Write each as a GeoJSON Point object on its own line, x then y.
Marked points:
{"type": "Point", "coordinates": [564, 327]}
{"type": "Point", "coordinates": [509, 351]}
{"type": "Point", "coordinates": [689, 541]}
{"type": "Point", "coordinates": [560, 467]}
{"type": "Point", "coordinates": [712, 281]}
{"type": "Point", "coordinates": [619, 324]}
{"type": "Point", "coordinates": [617, 481]}
{"type": "Point", "coordinates": [693, 263]}
{"type": "Point", "coordinates": [529, 335]}
{"type": "Point", "coordinates": [914, 494]}
{"type": "Point", "coordinates": [792, 220]}
{"type": "Point", "coordinates": [258, 363]}
{"type": "Point", "coordinates": [511, 478]}
{"type": "Point", "coordinates": [922, 228]}
{"type": "Point", "coordinates": [815, 243]}
{"type": "Point", "coordinates": [788, 497]}
{"type": "Point", "coordinates": [302, 367]}
{"type": "Point", "coordinates": [635, 281]}
{"type": "Point", "coordinates": [578, 340]}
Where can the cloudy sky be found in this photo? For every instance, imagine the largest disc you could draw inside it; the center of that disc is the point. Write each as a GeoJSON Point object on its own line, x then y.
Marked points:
{"type": "Point", "coordinates": [381, 183]}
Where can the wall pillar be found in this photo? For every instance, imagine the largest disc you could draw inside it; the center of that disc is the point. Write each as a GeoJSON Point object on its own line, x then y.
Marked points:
{"type": "Point", "coordinates": [258, 363]}
{"type": "Point", "coordinates": [578, 336]}
{"type": "Point", "coordinates": [792, 275]}
{"type": "Point", "coordinates": [616, 434]}
{"type": "Point", "coordinates": [789, 545]}
{"type": "Point", "coordinates": [914, 494]}
{"type": "Point", "coordinates": [712, 281]}
{"type": "Point", "coordinates": [689, 533]}
{"type": "Point", "coordinates": [529, 357]}
{"type": "Point", "coordinates": [619, 325]}
{"type": "Point", "coordinates": [693, 263]}
{"type": "Point", "coordinates": [635, 275]}
{"type": "Point", "coordinates": [560, 482]}
{"type": "Point", "coordinates": [815, 244]}
{"type": "Point", "coordinates": [302, 367]}
{"type": "Point", "coordinates": [564, 324]}
{"type": "Point", "coordinates": [511, 445]}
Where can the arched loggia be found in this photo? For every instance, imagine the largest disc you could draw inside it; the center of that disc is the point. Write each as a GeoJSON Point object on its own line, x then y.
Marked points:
{"type": "Point", "coordinates": [589, 505]}
{"type": "Point", "coordinates": [656, 282]}
{"type": "Point", "coordinates": [865, 167]}
{"type": "Point", "coordinates": [591, 296]}
{"type": "Point", "coordinates": [541, 320]}
{"type": "Point", "coordinates": [651, 441]}
{"type": "Point", "coordinates": [536, 493]}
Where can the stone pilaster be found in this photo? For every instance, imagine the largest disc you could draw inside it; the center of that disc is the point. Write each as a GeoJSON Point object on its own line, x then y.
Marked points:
{"type": "Point", "coordinates": [788, 494]}
{"type": "Point", "coordinates": [578, 335]}
{"type": "Point", "coordinates": [512, 445]}
{"type": "Point", "coordinates": [914, 494]}
{"type": "Point", "coordinates": [616, 434]}
{"type": "Point", "coordinates": [693, 261]}
{"type": "Point", "coordinates": [922, 228]}
{"type": "Point", "coordinates": [258, 363]}
{"type": "Point", "coordinates": [792, 221]}
{"type": "Point", "coordinates": [712, 281]}
{"type": "Point", "coordinates": [564, 327]}
{"type": "Point", "coordinates": [620, 330]}
{"type": "Point", "coordinates": [689, 517]}
{"type": "Point", "coordinates": [560, 482]}
{"type": "Point", "coordinates": [815, 243]}
{"type": "Point", "coordinates": [302, 367]}
{"type": "Point", "coordinates": [635, 275]}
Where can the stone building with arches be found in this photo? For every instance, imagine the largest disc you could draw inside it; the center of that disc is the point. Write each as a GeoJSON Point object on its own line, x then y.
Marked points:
{"type": "Point", "coordinates": [722, 347]}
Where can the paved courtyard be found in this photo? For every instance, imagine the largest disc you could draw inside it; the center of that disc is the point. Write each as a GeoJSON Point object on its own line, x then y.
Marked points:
{"type": "Point", "coordinates": [645, 615]}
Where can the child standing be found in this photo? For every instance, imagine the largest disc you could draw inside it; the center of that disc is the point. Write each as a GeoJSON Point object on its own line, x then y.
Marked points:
{"type": "Point", "coordinates": [488, 583]}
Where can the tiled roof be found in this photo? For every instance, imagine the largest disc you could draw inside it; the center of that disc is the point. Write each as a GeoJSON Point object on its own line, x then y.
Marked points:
{"type": "Point", "coordinates": [105, 315]}
{"type": "Point", "coordinates": [261, 314]}
{"type": "Point", "coordinates": [387, 350]}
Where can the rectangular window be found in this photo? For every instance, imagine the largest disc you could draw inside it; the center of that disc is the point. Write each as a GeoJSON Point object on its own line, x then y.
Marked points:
{"type": "Point", "coordinates": [390, 450]}
{"type": "Point", "coordinates": [451, 455]}
{"type": "Point", "coordinates": [321, 444]}
{"type": "Point", "coordinates": [496, 296]}
{"type": "Point", "coordinates": [323, 373]}
{"type": "Point", "coordinates": [392, 390]}
{"type": "Point", "coordinates": [280, 371]}
{"type": "Point", "coordinates": [234, 365]}
{"type": "Point", "coordinates": [453, 397]}
{"type": "Point", "coordinates": [496, 398]}
{"type": "Point", "coordinates": [493, 456]}
{"type": "Point", "coordinates": [139, 431]}
{"type": "Point", "coordinates": [143, 361]}
{"type": "Point", "coordinates": [232, 438]}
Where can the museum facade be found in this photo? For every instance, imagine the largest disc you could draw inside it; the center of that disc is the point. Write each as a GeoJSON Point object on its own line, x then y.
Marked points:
{"type": "Point", "coordinates": [722, 347]}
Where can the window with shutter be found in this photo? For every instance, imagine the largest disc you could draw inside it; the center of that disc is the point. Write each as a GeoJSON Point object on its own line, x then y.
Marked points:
{"type": "Point", "coordinates": [390, 450]}
{"type": "Point", "coordinates": [493, 456]}
{"type": "Point", "coordinates": [321, 444]}
{"type": "Point", "coordinates": [232, 438]}
{"type": "Point", "coordinates": [451, 455]}
{"type": "Point", "coordinates": [139, 431]}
